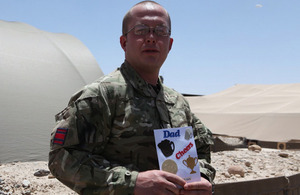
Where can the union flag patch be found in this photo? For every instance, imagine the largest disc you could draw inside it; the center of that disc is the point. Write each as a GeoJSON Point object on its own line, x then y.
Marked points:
{"type": "Point", "coordinates": [60, 136]}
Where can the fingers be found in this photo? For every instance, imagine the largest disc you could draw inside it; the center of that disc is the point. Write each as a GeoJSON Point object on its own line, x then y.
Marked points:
{"type": "Point", "coordinates": [161, 182]}
{"type": "Point", "coordinates": [158, 182]}
{"type": "Point", "coordinates": [175, 183]}
{"type": "Point", "coordinates": [202, 185]}
{"type": "Point", "coordinates": [195, 192]}
{"type": "Point", "coordinates": [171, 187]}
{"type": "Point", "coordinates": [175, 179]}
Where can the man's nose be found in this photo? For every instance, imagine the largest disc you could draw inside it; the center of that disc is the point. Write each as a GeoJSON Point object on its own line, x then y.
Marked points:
{"type": "Point", "coordinates": [150, 37]}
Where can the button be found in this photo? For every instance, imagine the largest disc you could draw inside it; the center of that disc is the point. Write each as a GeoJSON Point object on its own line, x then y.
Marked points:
{"type": "Point", "coordinates": [127, 173]}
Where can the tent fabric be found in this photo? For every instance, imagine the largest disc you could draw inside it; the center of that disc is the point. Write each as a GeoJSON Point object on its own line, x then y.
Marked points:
{"type": "Point", "coordinates": [259, 112]}
{"type": "Point", "coordinates": [39, 71]}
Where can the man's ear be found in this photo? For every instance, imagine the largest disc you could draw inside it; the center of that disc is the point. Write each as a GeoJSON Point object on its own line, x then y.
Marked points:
{"type": "Point", "coordinates": [123, 41]}
{"type": "Point", "coordinates": [170, 44]}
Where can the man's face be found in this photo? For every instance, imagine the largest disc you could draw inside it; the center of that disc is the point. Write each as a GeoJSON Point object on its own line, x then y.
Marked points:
{"type": "Point", "coordinates": [146, 53]}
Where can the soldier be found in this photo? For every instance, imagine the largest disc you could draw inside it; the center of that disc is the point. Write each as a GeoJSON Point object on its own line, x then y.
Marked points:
{"type": "Point", "coordinates": [103, 142]}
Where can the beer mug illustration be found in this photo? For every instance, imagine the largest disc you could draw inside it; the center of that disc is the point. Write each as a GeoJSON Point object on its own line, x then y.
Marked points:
{"type": "Point", "coordinates": [191, 162]}
{"type": "Point", "coordinates": [167, 147]}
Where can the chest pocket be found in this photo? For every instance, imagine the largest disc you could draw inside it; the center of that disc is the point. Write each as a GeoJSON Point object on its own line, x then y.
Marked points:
{"type": "Point", "coordinates": [134, 116]}
{"type": "Point", "coordinates": [178, 112]}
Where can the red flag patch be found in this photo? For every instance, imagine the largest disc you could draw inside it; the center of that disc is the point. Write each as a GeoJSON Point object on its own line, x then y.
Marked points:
{"type": "Point", "coordinates": [60, 136]}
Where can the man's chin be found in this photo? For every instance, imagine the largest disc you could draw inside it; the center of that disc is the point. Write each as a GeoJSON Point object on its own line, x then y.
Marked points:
{"type": "Point", "coordinates": [152, 59]}
{"type": "Point", "coordinates": [152, 63]}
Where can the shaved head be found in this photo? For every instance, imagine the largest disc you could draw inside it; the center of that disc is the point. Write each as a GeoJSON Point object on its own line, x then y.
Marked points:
{"type": "Point", "coordinates": [149, 5]}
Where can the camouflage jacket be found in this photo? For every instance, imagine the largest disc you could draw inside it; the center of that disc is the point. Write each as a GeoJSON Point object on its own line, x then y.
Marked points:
{"type": "Point", "coordinates": [104, 137]}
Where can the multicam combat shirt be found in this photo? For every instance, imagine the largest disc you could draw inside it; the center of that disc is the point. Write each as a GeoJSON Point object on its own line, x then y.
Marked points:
{"type": "Point", "coordinates": [105, 135]}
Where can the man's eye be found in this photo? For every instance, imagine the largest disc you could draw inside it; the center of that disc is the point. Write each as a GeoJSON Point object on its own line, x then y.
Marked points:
{"type": "Point", "coordinates": [141, 31]}
{"type": "Point", "coordinates": [161, 31]}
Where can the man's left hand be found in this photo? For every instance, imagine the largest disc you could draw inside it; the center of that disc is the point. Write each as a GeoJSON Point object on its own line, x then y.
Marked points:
{"type": "Point", "coordinates": [202, 187]}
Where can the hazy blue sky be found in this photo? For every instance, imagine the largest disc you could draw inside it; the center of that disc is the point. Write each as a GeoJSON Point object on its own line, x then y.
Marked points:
{"type": "Point", "coordinates": [217, 43]}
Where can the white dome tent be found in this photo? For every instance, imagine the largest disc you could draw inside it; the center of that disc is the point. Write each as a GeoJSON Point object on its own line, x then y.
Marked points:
{"type": "Point", "coordinates": [39, 71]}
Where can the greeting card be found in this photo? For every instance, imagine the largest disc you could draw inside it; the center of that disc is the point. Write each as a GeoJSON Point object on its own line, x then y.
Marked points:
{"type": "Point", "coordinates": [176, 152]}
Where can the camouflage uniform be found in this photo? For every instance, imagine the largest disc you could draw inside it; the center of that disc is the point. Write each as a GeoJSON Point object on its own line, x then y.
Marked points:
{"type": "Point", "coordinates": [107, 133]}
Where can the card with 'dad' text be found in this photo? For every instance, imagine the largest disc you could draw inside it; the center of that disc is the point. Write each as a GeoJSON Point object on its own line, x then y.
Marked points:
{"type": "Point", "coordinates": [176, 152]}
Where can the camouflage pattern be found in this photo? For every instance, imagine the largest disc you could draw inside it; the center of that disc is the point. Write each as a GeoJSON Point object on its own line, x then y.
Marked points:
{"type": "Point", "coordinates": [110, 135]}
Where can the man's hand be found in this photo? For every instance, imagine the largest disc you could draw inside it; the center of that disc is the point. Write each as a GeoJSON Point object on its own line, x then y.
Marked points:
{"type": "Point", "coordinates": [158, 182]}
{"type": "Point", "coordinates": [203, 187]}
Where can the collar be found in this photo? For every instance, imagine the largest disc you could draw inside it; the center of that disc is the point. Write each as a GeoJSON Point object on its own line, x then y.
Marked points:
{"type": "Point", "coordinates": [137, 82]}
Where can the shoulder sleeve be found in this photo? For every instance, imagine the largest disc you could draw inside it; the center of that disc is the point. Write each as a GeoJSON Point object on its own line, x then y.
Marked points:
{"type": "Point", "coordinates": [77, 142]}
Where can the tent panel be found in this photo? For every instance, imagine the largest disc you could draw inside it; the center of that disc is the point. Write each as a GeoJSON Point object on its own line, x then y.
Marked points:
{"type": "Point", "coordinates": [262, 112]}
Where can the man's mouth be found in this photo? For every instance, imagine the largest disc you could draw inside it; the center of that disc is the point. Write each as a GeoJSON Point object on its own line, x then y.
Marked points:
{"type": "Point", "coordinates": [151, 51]}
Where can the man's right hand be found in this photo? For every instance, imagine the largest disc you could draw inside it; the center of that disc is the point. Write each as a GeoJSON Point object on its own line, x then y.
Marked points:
{"type": "Point", "coordinates": [158, 182]}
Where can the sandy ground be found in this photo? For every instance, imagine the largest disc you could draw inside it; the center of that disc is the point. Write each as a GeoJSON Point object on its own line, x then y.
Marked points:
{"type": "Point", "coordinates": [19, 178]}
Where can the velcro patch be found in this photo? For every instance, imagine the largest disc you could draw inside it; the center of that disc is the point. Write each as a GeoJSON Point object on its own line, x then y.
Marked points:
{"type": "Point", "coordinates": [60, 136]}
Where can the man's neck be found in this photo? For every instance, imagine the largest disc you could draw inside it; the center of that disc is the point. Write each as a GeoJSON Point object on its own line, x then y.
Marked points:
{"type": "Point", "coordinates": [150, 77]}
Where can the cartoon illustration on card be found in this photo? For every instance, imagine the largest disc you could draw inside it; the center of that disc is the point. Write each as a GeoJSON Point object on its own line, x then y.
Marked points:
{"type": "Point", "coordinates": [167, 147]}
{"type": "Point", "coordinates": [190, 162]}
{"type": "Point", "coordinates": [177, 153]}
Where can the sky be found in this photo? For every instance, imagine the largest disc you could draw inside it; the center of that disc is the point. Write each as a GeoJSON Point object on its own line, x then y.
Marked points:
{"type": "Point", "coordinates": [217, 43]}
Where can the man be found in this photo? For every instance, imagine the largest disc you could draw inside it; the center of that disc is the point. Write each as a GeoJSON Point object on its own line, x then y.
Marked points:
{"type": "Point", "coordinates": [103, 142]}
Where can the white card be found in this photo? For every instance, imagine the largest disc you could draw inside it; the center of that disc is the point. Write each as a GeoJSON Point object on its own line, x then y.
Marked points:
{"type": "Point", "coordinates": [177, 153]}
